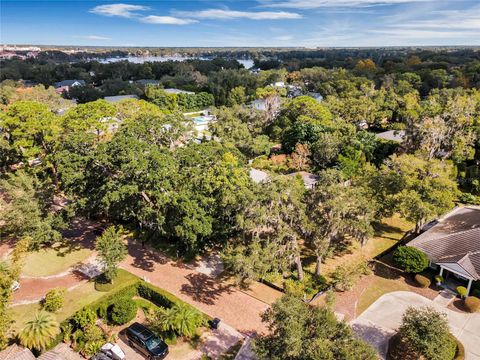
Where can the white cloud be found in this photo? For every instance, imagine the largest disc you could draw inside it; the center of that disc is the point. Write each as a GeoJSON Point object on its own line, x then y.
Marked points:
{"type": "Point", "coordinates": [93, 37]}
{"type": "Point", "coordinates": [166, 20]}
{"type": "Point", "coordinates": [283, 37]}
{"type": "Point", "coordinates": [221, 14]}
{"type": "Point", "coordinates": [313, 4]}
{"type": "Point", "coordinates": [122, 10]}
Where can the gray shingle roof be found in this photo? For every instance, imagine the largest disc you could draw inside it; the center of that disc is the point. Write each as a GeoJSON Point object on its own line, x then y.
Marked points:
{"type": "Point", "coordinates": [258, 176]}
{"type": "Point", "coordinates": [114, 99]}
{"type": "Point", "coordinates": [392, 135]}
{"type": "Point", "coordinates": [455, 239]}
{"type": "Point", "coordinates": [308, 179]}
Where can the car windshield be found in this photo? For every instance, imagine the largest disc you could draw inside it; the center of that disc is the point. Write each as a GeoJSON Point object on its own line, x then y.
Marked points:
{"type": "Point", "coordinates": [152, 343]}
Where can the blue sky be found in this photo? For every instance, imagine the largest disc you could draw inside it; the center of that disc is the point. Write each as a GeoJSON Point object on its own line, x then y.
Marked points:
{"type": "Point", "coordinates": [309, 23]}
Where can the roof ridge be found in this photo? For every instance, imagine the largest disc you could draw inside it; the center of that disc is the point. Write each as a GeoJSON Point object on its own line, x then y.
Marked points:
{"type": "Point", "coordinates": [453, 234]}
{"type": "Point", "coordinates": [467, 258]}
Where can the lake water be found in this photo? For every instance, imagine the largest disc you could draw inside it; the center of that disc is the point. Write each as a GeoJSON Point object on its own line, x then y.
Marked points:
{"type": "Point", "coordinates": [247, 63]}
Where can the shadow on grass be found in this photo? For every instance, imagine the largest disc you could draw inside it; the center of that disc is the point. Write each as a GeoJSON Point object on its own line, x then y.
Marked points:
{"type": "Point", "coordinates": [381, 228]}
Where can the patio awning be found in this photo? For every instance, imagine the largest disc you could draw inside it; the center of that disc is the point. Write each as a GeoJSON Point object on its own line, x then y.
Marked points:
{"type": "Point", "coordinates": [457, 269]}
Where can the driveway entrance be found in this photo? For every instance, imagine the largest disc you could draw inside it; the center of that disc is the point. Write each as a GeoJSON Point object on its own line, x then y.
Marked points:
{"type": "Point", "coordinates": [381, 320]}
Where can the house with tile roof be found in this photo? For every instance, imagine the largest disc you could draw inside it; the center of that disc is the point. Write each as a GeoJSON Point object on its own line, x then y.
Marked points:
{"type": "Point", "coordinates": [16, 352]}
{"type": "Point", "coordinates": [452, 244]}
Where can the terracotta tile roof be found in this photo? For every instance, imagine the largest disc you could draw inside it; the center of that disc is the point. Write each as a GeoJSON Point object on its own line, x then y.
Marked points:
{"type": "Point", "coordinates": [60, 352]}
{"type": "Point", "coordinates": [15, 352]}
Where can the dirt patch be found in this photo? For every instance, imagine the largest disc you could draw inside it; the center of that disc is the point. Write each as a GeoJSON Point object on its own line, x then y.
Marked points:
{"type": "Point", "coordinates": [32, 289]}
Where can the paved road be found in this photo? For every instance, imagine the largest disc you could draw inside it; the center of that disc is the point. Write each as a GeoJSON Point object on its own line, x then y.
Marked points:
{"type": "Point", "coordinates": [212, 296]}
{"type": "Point", "coordinates": [384, 316]}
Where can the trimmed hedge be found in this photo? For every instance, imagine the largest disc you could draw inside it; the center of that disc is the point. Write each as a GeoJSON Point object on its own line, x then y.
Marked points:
{"type": "Point", "coordinates": [472, 304]}
{"type": "Point", "coordinates": [422, 281]}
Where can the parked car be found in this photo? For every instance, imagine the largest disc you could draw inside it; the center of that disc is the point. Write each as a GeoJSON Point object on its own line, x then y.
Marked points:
{"type": "Point", "coordinates": [110, 351]}
{"type": "Point", "coordinates": [15, 285]}
{"type": "Point", "coordinates": [141, 338]}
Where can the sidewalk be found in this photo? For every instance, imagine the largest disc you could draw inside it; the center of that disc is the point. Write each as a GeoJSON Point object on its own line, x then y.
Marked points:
{"type": "Point", "coordinates": [212, 296]}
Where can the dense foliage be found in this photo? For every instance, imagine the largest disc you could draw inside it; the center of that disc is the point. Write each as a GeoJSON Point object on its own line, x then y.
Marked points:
{"type": "Point", "coordinates": [309, 118]}
{"type": "Point", "coordinates": [54, 299]}
{"type": "Point", "coordinates": [300, 331]}
{"type": "Point", "coordinates": [410, 259]}
{"type": "Point", "coordinates": [425, 333]}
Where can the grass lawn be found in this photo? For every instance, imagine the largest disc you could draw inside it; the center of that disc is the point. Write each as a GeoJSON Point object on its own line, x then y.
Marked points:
{"type": "Point", "coordinates": [51, 261]}
{"type": "Point", "coordinates": [377, 288]}
{"type": "Point", "coordinates": [77, 298]}
{"type": "Point", "coordinates": [181, 350]}
{"type": "Point", "coordinates": [387, 233]}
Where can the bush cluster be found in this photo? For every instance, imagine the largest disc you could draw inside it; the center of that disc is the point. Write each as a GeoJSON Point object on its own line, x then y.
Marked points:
{"type": "Point", "coordinates": [462, 291]}
{"type": "Point", "coordinates": [423, 281]}
{"type": "Point", "coordinates": [123, 311]}
{"type": "Point", "coordinates": [472, 304]}
{"type": "Point", "coordinates": [54, 299]}
{"type": "Point", "coordinates": [410, 259]}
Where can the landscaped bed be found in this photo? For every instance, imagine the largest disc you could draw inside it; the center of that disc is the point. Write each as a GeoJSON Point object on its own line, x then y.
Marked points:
{"type": "Point", "coordinates": [75, 299]}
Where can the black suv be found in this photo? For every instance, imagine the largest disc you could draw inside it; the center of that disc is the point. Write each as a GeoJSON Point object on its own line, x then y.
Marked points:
{"type": "Point", "coordinates": [146, 342]}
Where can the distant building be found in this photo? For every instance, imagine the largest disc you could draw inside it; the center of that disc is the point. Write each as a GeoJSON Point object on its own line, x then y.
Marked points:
{"type": "Point", "coordinates": [114, 99]}
{"type": "Point", "coordinates": [392, 135]}
{"type": "Point", "coordinates": [178, 91]}
{"type": "Point", "coordinates": [258, 176]}
{"type": "Point", "coordinates": [279, 84]}
{"type": "Point", "coordinates": [309, 180]}
{"type": "Point", "coordinates": [317, 96]}
{"type": "Point", "coordinates": [65, 85]}
{"type": "Point", "coordinates": [146, 82]}
{"type": "Point", "coordinates": [259, 104]}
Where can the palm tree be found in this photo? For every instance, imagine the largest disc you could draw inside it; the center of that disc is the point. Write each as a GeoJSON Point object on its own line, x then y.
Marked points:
{"type": "Point", "coordinates": [40, 331]}
{"type": "Point", "coordinates": [180, 318]}
{"type": "Point", "coordinates": [187, 320]}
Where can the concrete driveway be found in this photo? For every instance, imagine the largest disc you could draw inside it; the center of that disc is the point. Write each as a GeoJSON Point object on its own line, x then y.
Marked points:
{"type": "Point", "coordinates": [384, 316]}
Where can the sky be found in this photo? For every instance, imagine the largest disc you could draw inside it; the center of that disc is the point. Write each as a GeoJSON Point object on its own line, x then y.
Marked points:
{"type": "Point", "coordinates": [205, 23]}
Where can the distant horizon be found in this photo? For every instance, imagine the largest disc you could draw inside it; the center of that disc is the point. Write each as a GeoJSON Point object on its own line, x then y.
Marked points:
{"type": "Point", "coordinates": [239, 47]}
{"type": "Point", "coordinates": [248, 23]}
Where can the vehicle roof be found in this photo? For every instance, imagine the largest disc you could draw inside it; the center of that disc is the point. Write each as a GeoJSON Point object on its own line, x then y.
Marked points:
{"type": "Point", "coordinates": [140, 330]}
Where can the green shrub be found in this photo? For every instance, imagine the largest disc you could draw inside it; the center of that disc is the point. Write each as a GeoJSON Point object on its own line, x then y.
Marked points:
{"type": "Point", "coordinates": [344, 277]}
{"type": "Point", "coordinates": [462, 291]}
{"type": "Point", "coordinates": [439, 279]}
{"type": "Point", "coordinates": [425, 333]}
{"type": "Point", "coordinates": [468, 198]}
{"type": "Point", "coordinates": [460, 354]}
{"type": "Point", "coordinates": [423, 281]}
{"type": "Point", "coordinates": [123, 311]}
{"type": "Point", "coordinates": [410, 259]}
{"type": "Point", "coordinates": [472, 304]}
{"type": "Point", "coordinates": [83, 318]}
{"type": "Point", "coordinates": [293, 286]}
{"type": "Point", "coordinates": [54, 299]}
